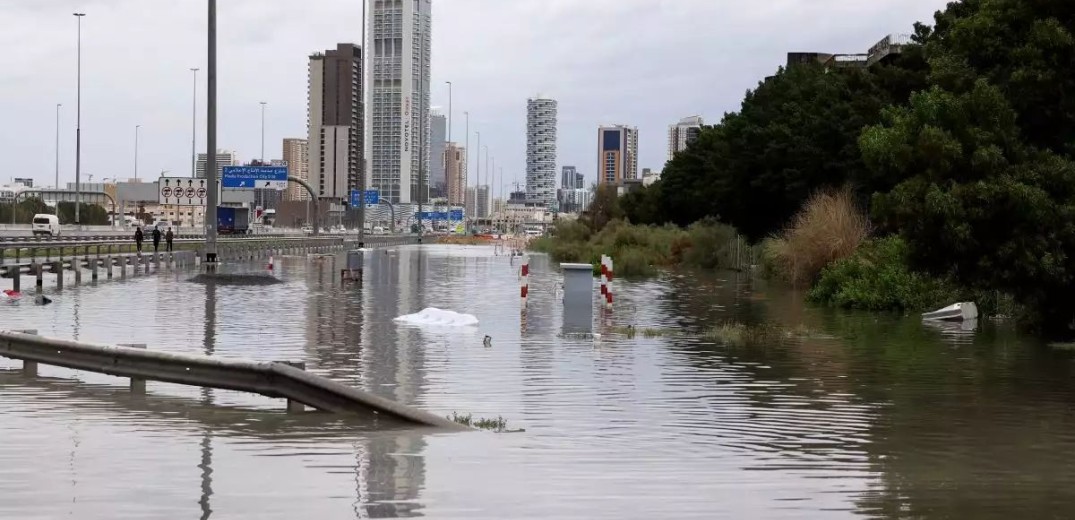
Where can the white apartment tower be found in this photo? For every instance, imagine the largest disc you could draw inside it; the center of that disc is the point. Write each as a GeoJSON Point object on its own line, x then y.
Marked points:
{"type": "Point", "coordinates": [296, 156]}
{"type": "Point", "coordinates": [541, 150]}
{"type": "Point", "coordinates": [223, 158]}
{"type": "Point", "coordinates": [682, 133]}
{"type": "Point", "coordinates": [399, 41]}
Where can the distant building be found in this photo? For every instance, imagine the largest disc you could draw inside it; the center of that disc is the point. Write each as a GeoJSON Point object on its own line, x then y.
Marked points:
{"type": "Point", "coordinates": [223, 158]}
{"type": "Point", "coordinates": [334, 121]}
{"type": "Point", "coordinates": [29, 183]}
{"type": "Point", "coordinates": [478, 202]}
{"type": "Point", "coordinates": [683, 133]}
{"type": "Point", "coordinates": [617, 154]}
{"type": "Point", "coordinates": [455, 162]}
{"type": "Point", "coordinates": [567, 177]}
{"type": "Point", "coordinates": [438, 129]}
{"type": "Point", "coordinates": [296, 156]}
{"type": "Point", "coordinates": [890, 45]}
{"type": "Point", "coordinates": [649, 176]}
{"type": "Point", "coordinates": [541, 116]}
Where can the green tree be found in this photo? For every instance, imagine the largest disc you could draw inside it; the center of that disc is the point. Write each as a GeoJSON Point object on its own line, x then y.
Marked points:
{"type": "Point", "coordinates": [1024, 47]}
{"type": "Point", "coordinates": [605, 207]}
{"type": "Point", "coordinates": [796, 133]}
{"type": "Point", "coordinates": [978, 205]}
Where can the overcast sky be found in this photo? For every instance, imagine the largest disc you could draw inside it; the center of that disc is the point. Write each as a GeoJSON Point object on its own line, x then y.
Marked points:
{"type": "Point", "coordinates": [645, 63]}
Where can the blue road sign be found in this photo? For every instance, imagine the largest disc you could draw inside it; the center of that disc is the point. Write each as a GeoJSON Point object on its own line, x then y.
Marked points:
{"type": "Point", "coordinates": [455, 214]}
{"type": "Point", "coordinates": [250, 177]}
{"type": "Point", "coordinates": [373, 197]}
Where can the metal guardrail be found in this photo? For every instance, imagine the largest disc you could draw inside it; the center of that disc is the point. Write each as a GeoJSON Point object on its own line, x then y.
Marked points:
{"type": "Point", "coordinates": [275, 379]}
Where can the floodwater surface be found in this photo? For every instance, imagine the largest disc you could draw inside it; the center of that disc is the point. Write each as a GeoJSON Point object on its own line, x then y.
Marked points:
{"type": "Point", "coordinates": [843, 416]}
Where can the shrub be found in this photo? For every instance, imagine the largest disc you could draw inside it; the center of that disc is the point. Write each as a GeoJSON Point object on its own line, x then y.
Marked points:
{"type": "Point", "coordinates": [712, 245]}
{"type": "Point", "coordinates": [877, 277]}
{"type": "Point", "coordinates": [828, 228]}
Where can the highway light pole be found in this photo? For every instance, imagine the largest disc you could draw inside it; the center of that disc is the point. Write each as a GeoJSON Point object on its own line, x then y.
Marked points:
{"type": "Point", "coordinates": [263, 132]}
{"type": "Point", "coordinates": [136, 127]}
{"type": "Point", "coordinates": [194, 125]}
{"type": "Point", "coordinates": [210, 144]}
{"type": "Point", "coordinates": [78, 123]}
{"type": "Point", "coordinates": [57, 185]}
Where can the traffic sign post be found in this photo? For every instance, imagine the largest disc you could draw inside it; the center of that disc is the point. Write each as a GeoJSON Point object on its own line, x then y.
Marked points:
{"type": "Point", "coordinates": [182, 191]}
{"type": "Point", "coordinates": [251, 177]}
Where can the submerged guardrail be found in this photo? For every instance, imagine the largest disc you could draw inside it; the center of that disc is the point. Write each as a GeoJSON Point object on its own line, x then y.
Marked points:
{"type": "Point", "coordinates": [272, 379]}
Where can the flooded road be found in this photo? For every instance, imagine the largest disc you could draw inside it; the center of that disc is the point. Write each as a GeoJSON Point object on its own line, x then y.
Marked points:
{"type": "Point", "coordinates": [869, 416]}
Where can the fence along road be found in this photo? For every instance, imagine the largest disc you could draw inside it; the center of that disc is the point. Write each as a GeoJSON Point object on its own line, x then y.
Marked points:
{"type": "Point", "coordinates": [273, 379]}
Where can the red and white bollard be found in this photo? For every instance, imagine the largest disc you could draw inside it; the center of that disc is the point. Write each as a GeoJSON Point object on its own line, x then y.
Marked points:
{"type": "Point", "coordinates": [604, 275]}
{"type": "Point", "coordinates": [271, 263]}
{"type": "Point", "coordinates": [524, 279]}
{"type": "Point", "coordinates": [607, 277]}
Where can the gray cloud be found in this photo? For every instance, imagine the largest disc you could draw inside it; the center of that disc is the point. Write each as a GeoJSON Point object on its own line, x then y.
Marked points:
{"type": "Point", "coordinates": [640, 62]}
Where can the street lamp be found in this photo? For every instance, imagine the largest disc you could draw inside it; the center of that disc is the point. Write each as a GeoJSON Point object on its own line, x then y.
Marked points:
{"type": "Point", "coordinates": [78, 123]}
{"type": "Point", "coordinates": [194, 124]}
{"type": "Point", "coordinates": [466, 162]}
{"type": "Point", "coordinates": [57, 185]}
{"type": "Point", "coordinates": [136, 127]}
{"type": "Point", "coordinates": [263, 132]}
{"type": "Point", "coordinates": [447, 180]}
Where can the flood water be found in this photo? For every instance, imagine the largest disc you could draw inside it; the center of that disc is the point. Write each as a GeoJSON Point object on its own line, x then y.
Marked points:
{"type": "Point", "coordinates": [856, 416]}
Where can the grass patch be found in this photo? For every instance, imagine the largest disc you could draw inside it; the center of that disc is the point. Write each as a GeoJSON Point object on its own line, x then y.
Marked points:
{"type": "Point", "coordinates": [828, 228]}
{"type": "Point", "coordinates": [731, 333]}
{"type": "Point", "coordinates": [497, 425]}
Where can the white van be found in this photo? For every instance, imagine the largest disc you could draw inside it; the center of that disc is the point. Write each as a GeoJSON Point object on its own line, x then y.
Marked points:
{"type": "Point", "coordinates": [45, 224]}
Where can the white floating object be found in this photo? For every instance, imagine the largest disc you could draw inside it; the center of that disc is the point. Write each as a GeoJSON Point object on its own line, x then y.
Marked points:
{"type": "Point", "coordinates": [964, 311]}
{"type": "Point", "coordinates": [435, 317]}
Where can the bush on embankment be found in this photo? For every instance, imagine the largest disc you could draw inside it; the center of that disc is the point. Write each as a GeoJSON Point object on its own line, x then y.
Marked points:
{"type": "Point", "coordinates": [877, 277]}
{"type": "Point", "coordinates": [828, 228]}
{"type": "Point", "coordinates": [641, 250]}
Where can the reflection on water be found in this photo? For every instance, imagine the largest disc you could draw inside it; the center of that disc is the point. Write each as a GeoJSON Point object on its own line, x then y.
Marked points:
{"type": "Point", "coordinates": [871, 415]}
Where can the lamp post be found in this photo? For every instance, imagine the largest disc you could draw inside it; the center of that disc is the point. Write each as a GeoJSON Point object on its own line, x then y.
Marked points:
{"type": "Point", "coordinates": [477, 174]}
{"type": "Point", "coordinates": [466, 167]}
{"type": "Point", "coordinates": [194, 124]}
{"type": "Point", "coordinates": [57, 185]}
{"type": "Point", "coordinates": [448, 182]}
{"type": "Point", "coordinates": [136, 127]}
{"type": "Point", "coordinates": [263, 132]}
{"type": "Point", "coordinates": [78, 123]}
{"type": "Point", "coordinates": [210, 143]}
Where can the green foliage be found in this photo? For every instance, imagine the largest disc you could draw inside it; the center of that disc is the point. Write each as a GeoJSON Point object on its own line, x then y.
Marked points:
{"type": "Point", "coordinates": [498, 425]}
{"type": "Point", "coordinates": [90, 214]}
{"type": "Point", "coordinates": [877, 277]}
{"type": "Point", "coordinates": [797, 133]}
{"type": "Point", "coordinates": [605, 207]}
{"type": "Point", "coordinates": [639, 250]}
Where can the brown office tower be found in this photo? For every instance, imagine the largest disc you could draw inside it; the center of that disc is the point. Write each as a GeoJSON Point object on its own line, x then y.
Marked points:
{"type": "Point", "coordinates": [335, 114]}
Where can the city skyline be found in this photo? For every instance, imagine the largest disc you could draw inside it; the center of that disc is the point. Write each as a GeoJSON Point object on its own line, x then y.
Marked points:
{"type": "Point", "coordinates": [589, 87]}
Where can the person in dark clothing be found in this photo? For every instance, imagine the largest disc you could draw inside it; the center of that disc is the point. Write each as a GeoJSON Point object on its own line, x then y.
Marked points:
{"type": "Point", "coordinates": [168, 237]}
{"type": "Point", "coordinates": [156, 239]}
{"type": "Point", "coordinates": [138, 237]}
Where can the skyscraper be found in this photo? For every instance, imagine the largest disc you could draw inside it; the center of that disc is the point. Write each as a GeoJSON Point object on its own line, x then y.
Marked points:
{"type": "Point", "coordinates": [399, 36]}
{"type": "Point", "coordinates": [682, 133]}
{"type": "Point", "coordinates": [567, 178]}
{"type": "Point", "coordinates": [223, 158]}
{"type": "Point", "coordinates": [455, 159]}
{"type": "Point", "coordinates": [296, 155]}
{"type": "Point", "coordinates": [334, 119]}
{"type": "Point", "coordinates": [437, 160]}
{"type": "Point", "coordinates": [541, 150]}
{"type": "Point", "coordinates": [617, 154]}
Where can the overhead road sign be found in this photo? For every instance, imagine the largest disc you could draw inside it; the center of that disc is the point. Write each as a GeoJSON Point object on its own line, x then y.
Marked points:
{"type": "Point", "coordinates": [373, 197]}
{"type": "Point", "coordinates": [251, 177]}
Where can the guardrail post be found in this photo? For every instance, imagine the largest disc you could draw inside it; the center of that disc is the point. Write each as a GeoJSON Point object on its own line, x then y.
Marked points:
{"type": "Point", "coordinates": [16, 278]}
{"type": "Point", "coordinates": [57, 268]}
{"type": "Point", "coordinates": [93, 265]}
{"type": "Point", "coordinates": [138, 385]}
{"type": "Point", "coordinates": [295, 406]}
{"type": "Point", "coordinates": [76, 266]}
{"type": "Point", "coordinates": [29, 368]}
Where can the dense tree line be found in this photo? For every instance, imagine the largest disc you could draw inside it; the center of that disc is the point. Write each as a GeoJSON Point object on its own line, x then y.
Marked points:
{"type": "Point", "coordinates": [963, 146]}
{"type": "Point", "coordinates": [89, 214]}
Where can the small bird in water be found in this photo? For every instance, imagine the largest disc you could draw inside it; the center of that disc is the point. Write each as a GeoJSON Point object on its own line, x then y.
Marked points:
{"type": "Point", "coordinates": [488, 341]}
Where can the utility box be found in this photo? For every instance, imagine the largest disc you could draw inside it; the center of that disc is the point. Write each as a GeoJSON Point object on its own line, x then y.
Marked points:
{"type": "Point", "coordinates": [353, 271]}
{"type": "Point", "coordinates": [578, 298]}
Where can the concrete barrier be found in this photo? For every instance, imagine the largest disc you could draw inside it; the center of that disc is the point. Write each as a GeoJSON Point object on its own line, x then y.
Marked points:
{"type": "Point", "coordinates": [273, 379]}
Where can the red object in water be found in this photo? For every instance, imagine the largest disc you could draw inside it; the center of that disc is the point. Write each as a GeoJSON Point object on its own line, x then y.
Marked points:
{"type": "Point", "coordinates": [12, 294]}
{"type": "Point", "coordinates": [270, 263]}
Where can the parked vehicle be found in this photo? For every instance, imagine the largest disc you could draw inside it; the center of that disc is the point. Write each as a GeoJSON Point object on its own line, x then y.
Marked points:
{"type": "Point", "coordinates": [45, 224]}
{"type": "Point", "coordinates": [378, 230]}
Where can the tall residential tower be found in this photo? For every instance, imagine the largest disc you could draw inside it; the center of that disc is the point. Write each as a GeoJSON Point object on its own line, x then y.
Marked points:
{"type": "Point", "coordinates": [617, 154]}
{"type": "Point", "coordinates": [399, 41]}
{"type": "Point", "coordinates": [296, 155]}
{"type": "Point", "coordinates": [541, 151]}
{"type": "Point", "coordinates": [682, 133]}
{"type": "Point", "coordinates": [334, 119]}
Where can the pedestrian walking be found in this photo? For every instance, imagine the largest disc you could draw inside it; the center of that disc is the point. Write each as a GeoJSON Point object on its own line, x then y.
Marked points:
{"type": "Point", "coordinates": [138, 237]}
{"type": "Point", "coordinates": [156, 238]}
{"type": "Point", "coordinates": [168, 237]}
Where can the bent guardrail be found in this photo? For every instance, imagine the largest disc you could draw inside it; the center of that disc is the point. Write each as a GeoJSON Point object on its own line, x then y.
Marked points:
{"type": "Point", "coordinates": [273, 379]}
